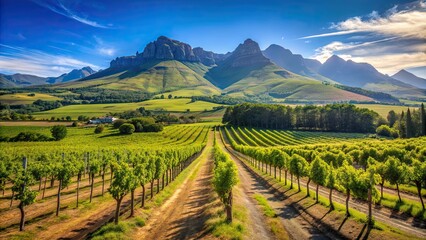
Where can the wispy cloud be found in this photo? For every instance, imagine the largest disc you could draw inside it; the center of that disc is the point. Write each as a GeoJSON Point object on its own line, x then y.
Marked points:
{"type": "Point", "coordinates": [29, 61]}
{"type": "Point", "coordinates": [58, 6]}
{"type": "Point", "coordinates": [390, 42]}
{"type": "Point", "coordinates": [407, 22]}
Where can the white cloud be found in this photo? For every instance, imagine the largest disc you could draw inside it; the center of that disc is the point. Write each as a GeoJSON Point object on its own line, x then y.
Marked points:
{"type": "Point", "coordinates": [107, 51]}
{"type": "Point", "coordinates": [58, 7]}
{"type": "Point", "coordinates": [409, 22]}
{"type": "Point", "coordinates": [30, 61]}
{"type": "Point", "coordinates": [392, 63]}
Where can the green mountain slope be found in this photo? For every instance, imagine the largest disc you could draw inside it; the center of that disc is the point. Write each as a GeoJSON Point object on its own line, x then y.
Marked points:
{"type": "Point", "coordinates": [154, 76]}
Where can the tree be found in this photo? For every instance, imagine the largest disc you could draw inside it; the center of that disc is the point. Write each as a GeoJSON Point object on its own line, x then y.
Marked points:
{"type": "Point", "coordinates": [384, 130]}
{"type": "Point", "coordinates": [395, 172]}
{"type": "Point", "coordinates": [170, 96]}
{"type": "Point", "coordinates": [117, 123]}
{"type": "Point", "coordinates": [331, 184]}
{"type": "Point", "coordinates": [94, 167]}
{"type": "Point", "coordinates": [318, 173]}
{"type": "Point", "coordinates": [23, 193]}
{"type": "Point", "coordinates": [142, 174]}
{"type": "Point", "coordinates": [392, 118]}
{"type": "Point", "coordinates": [224, 179]}
{"type": "Point", "coordinates": [120, 186]}
{"type": "Point", "coordinates": [127, 128]}
{"type": "Point", "coordinates": [409, 126]}
{"type": "Point", "coordinates": [59, 132]}
{"type": "Point", "coordinates": [99, 128]}
{"type": "Point", "coordinates": [423, 120]}
{"type": "Point", "coordinates": [298, 167]}
{"type": "Point", "coordinates": [345, 178]}
{"type": "Point", "coordinates": [64, 171]}
{"type": "Point", "coordinates": [418, 176]}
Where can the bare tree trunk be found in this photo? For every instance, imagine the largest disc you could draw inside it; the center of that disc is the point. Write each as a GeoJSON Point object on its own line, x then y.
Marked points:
{"type": "Point", "coordinates": [152, 188]}
{"type": "Point", "coordinates": [381, 190]}
{"type": "Point", "coordinates": [58, 203]}
{"type": "Point", "coordinates": [370, 213]}
{"type": "Point", "coordinates": [280, 174]}
{"type": "Point", "coordinates": [22, 222]}
{"type": "Point", "coordinates": [44, 187]}
{"type": "Point", "coordinates": [275, 172]}
{"type": "Point", "coordinates": [317, 196]}
{"type": "Point", "coordinates": [143, 196]}
{"type": "Point", "coordinates": [52, 182]}
{"type": "Point", "coordinates": [158, 185]}
{"type": "Point", "coordinates": [419, 191]}
{"type": "Point", "coordinates": [103, 183]}
{"type": "Point", "coordinates": [228, 207]}
{"type": "Point", "coordinates": [285, 177]}
{"type": "Point", "coordinates": [307, 187]}
{"type": "Point", "coordinates": [399, 196]}
{"type": "Point", "coordinates": [291, 180]}
{"type": "Point", "coordinates": [298, 182]}
{"type": "Point", "coordinates": [348, 195]}
{"type": "Point", "coordinates": [162, 181]}
{"type": "Point", "coordinates": [39, 183]}
{"type": "Point", "coordinates": [117, 211]}
{"type": "Point", "coordinates": [330, 199]}
{"type": "Point", "coordinates": [132, 203]}
{"type": "Point", "coordinates": [78, 187]}
{"type": "Point", "coordinates": [91, 186]}
{"type": "Point", "coordinates": [11, 199]}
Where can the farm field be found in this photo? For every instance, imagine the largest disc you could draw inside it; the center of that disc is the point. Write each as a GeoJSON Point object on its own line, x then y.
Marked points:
{"type": "Point", "coordinates": [383, 110]}
{"type": "Point", "coordinates": [24, 98]}
{"type": "Point", "coordinates": [96, 110]}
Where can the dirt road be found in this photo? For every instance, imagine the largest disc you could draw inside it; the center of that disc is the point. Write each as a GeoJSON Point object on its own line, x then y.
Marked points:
{"type": "Point", "coordinates": [295, 224]}
{"type": "Point", "coordinates": [183, 215]}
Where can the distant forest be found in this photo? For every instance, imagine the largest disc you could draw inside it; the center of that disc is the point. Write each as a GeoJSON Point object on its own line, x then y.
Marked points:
{"type": "Point", "coordinates": [332, 117]}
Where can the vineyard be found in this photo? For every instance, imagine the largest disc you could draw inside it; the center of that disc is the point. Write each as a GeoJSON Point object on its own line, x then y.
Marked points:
{"type": "Point", "coordinates": [74, 175]}
{"type": "Point", "coordinates": [385, 177]}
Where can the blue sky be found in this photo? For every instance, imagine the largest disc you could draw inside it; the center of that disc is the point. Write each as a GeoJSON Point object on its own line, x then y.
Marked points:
{"type": "Point", "coordinates": [50, 37]}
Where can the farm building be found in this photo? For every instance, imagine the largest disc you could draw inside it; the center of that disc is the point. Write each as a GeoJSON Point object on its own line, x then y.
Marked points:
{"type": "Point", "coordinates": [108, 119]}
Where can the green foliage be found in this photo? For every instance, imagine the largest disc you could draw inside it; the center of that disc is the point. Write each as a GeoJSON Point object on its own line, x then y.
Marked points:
{"type": "Point", "coordinates": [332, 117]}
{"type": "Point", "coordinates": [29, 137]}
{"type": "Point", "coordinates": [117, 123]}
{"type": "Point", "coordinates": [318, 171]}
{"type": "Point", "coordinates": [21, 187]}
{"type": "Point", "coordinates": [123, 182]}
{"type": "Point", "coordinates": [99, 128]}
{"type": "Point", "coordinates": [127, 128]}
{"type": "Point", "coordinates": [59, 132]}
{"type": "Point", "coordinates": [298, 166]}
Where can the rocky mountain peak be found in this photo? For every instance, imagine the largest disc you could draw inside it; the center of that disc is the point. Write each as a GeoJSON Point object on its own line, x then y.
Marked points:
{"type": "Point", "coordinates": [167, 49]}
{"type": "Point", "coordinates": [248, 53]}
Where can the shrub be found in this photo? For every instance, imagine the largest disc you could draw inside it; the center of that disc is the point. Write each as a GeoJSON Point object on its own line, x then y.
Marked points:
{"type": "Point", "coordinates": [156, 127]}
{"type": "Point", "coordinates": [74, 124]}
{"type": "Point", "coordinates": [384, 130]}
{"type": "Point", "coordinates": [127, 128]}
{"type": "Point", "coordinates": [99, 129]}
{"type": "Point", "coordinates": [29, 137]}
{"type": "Point", "coordinates": [117, 123]}
{"type": "Point", "coordinates": [58, 132]}
{"type": "Point", "coordinates": [138, 127]}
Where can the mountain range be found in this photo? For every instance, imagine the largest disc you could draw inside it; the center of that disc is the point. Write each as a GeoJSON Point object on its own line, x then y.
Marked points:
{"type": "Point", "coordinates": [168, 65]}
{"type": "Point", "coordinates": [26, 80]}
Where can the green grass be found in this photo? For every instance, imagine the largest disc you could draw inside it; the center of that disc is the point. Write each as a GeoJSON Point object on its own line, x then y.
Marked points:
{"type": "Point", "coordinates": [98, 110]}
{"type": "Point", "coordinates": [23, 98]}
{"type": "Point", "coordinates": [263, 202]}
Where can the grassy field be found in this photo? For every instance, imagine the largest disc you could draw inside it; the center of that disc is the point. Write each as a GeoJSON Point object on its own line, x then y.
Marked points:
{"type": "Point", "coordinates": [23, 98]}
{"type": "Point", "coordinates": [97, 110]}
{"type": "Point", "coordinates": [383, 110]}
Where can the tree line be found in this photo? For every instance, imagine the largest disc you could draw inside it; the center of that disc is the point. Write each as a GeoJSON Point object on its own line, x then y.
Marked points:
{"type": "Point", "coordinates": [331, 117]}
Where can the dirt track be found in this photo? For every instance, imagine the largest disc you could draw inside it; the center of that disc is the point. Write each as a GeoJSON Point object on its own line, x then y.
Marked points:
{"type": "Point", "coordinates": [183, 216]}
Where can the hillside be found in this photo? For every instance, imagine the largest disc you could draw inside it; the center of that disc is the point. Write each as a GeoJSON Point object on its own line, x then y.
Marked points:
{"type": "Point", "coordinates": [409, 78]}
{"type": "Point", "coordinates": [154, 76]}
